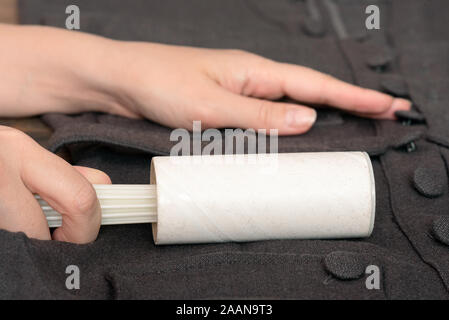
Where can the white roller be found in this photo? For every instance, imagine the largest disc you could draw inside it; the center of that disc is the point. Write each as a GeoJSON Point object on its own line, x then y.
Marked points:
{"type": "Point", "coordinates": [246, 197]}
{"type": "Point", "coordinates": [257, 197]}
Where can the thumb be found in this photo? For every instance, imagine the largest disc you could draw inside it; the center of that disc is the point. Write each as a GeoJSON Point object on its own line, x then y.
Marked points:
{"type": "Point", "coordinates": [246, 112]}
{"type": "Point", "coordinates": [94, 176]}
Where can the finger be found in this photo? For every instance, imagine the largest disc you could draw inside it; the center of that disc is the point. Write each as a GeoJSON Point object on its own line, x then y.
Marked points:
{"type": "Point", "coordinates": [67, 191]}
{"type": "Point", "coordinates": [390, 113]}
{"type": "Point", "coordinates": [94, 176]}
{"type": "Point", "coordinates": [310, 86]}
{"type": "Point", "coordinates": [21, 212]}
{"type": "Point", "coordinates": [233, 110]}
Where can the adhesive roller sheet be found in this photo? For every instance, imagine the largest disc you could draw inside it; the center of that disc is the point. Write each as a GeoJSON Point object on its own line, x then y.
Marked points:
{"type": "Point", "coordinates": [245, 197]}
{"type": "Point", "coordinates": [203, 199]}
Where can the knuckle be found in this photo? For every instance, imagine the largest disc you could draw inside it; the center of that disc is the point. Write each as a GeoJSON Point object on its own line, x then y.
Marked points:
{"type": "Point", "coordinates": [207, 114]}
{"type": "Point", "coordinates": [263, 63]}
{"type": "Point", "coordinates": [238, 52]}
{"type": "Point", "coordinates": [247, 56]}
{"type": "Point", "coordinates": [209, 124]}
{"type": "Point", "coordinates": [11, 136]}
{"type": "Point", "coordinates": [13, 143]}
{"type": "Point", "coordinates": [207, 119]}
{"type": "Point", "coordinates": [323, 93]}
{"type": "Point", "coordinates": [85, 202]}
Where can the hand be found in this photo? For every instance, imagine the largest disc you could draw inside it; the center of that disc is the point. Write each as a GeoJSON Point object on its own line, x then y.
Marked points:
{"type": "Point", "coordinates": [230, 88]}
{"type": "Point", "coordinates": [26, 169]}
{"type": "Point", "coordinates": [49, 71]}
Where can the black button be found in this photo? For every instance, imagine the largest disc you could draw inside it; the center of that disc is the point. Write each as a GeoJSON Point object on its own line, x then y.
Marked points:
{"type": "Point", "coordinates": [395, 85]}
{"type": "Point", "coordinates": [313, 27]}
{"type": "Point", "coordinates": [440, 229]}
{"type": "Point", "coordinates": [429, 182]}
{"type": "Point", "coordinates": [345, 265]}
{"type": "Point", "coordinates": [409, 115]}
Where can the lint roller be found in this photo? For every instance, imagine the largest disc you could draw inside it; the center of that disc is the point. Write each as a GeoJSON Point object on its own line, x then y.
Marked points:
{"type": "Point", "coordinates": [223, 198]}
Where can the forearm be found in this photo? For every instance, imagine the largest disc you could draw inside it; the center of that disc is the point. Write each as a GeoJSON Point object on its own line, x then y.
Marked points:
{"type": "Point", "coordinates": [51, 70]}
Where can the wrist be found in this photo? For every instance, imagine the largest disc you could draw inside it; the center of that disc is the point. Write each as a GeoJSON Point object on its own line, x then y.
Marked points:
{"type": "Point", "coordinates": [54, 70]}
{"type": "Point", "coordinates": [87, 69]}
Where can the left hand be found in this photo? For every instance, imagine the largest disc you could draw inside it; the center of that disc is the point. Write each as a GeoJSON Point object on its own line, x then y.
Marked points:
{"type": "Point", "coordinates": [230, 88]}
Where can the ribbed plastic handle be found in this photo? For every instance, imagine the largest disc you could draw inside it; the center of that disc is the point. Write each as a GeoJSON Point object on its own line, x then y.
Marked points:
{"type": "Point", "coordinates": [120, 204]}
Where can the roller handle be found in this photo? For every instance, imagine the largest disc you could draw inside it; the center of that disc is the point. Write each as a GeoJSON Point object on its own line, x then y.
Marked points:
{"type": "Point", "coordinates": [120, 204]}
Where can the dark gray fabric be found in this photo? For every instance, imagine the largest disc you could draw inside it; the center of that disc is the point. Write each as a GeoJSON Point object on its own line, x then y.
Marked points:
{"type": "Point", "coordinates": [314, 27]}
{"type": "Point", "coordinates": [154, 139]}
{"type": "Point", "coordinates": [394, 85]}
{"type": "Point", "coordinates": [407, 244]}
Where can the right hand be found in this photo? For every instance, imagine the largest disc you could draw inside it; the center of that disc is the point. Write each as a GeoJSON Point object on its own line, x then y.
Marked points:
{"type": "Point", "coordinates": [27, 169]}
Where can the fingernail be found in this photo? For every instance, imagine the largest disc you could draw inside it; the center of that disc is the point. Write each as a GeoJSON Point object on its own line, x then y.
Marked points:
{"type": "Point", "coordinates": [300, 118]}
{"type": "Point", "coordinates": [401, 104]}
